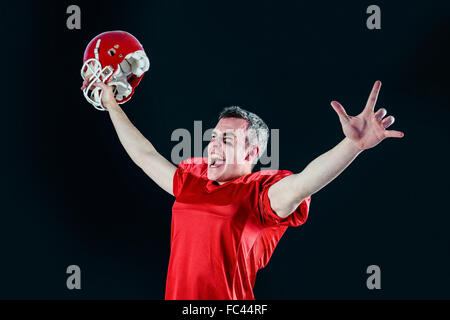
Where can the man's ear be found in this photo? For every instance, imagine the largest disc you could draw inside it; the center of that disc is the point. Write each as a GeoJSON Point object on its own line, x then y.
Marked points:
{"type": "Point", "coordinates": [252, 153]}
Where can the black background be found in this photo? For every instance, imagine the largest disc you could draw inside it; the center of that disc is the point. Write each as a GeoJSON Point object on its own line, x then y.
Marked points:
{"type": "Point", "coordinates": [70, 194]}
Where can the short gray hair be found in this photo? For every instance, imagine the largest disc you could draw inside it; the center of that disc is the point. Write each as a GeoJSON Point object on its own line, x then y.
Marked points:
{"type": "Point", "coordinates": [257, 130]}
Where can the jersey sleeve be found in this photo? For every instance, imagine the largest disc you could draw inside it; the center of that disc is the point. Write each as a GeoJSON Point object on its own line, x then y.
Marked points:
{"type": "Point", "coordinates": [268, 217]}
{"type": "Point", "coordinates": [178, 179]}
{"type": "Point", "coordinates": [187, 168]}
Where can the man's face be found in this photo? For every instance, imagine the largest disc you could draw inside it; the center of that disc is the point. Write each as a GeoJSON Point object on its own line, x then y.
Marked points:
{"type": "Point", "coordinates": [229, 156]}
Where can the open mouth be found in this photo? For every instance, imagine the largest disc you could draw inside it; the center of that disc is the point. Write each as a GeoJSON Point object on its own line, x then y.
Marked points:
{"type": "Point", "coordinates": [216, 161]}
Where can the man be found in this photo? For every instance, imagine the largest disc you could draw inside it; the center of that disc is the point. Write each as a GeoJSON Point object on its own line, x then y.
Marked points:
{"type": "Point", "coordinates": [227, 220]}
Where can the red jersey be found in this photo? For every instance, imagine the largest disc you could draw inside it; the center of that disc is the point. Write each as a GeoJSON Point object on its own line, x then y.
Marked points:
{"type": "Point", "coordinates": [222, 235]}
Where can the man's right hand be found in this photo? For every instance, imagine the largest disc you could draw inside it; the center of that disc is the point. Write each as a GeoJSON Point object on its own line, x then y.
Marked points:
{"type": "Point", "coordinates": [108, 100]}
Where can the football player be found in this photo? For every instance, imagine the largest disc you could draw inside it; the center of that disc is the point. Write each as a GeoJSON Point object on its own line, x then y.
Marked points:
{"type": "Point", "coordinates": [227, 219]}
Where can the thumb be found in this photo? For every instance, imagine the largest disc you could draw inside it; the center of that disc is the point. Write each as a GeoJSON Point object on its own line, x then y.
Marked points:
{"type": "Point", "coordinates": [339, 110]}
{"type": "Point", "coordinates": [101, 85]}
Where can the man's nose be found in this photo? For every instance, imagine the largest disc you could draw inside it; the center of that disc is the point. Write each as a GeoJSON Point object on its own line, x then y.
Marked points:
{"type": "Point", "coordinates": [215, 146]}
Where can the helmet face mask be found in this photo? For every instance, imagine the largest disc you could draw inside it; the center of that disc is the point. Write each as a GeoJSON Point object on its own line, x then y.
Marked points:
{"type": "Point", "coordinates": [117, 59]}
{"type": "Point", "coordinates": [92, 69]}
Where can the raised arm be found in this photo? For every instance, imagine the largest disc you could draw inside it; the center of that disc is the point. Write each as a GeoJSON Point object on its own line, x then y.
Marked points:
{"type": "Point", "coordinates": [140, 150]}
{"type": "Point", "coordinates": [361, 132]}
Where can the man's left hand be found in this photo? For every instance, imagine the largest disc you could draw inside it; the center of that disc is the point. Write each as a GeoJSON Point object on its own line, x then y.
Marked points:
{"type": "Point", "coordinates": [367, 129]}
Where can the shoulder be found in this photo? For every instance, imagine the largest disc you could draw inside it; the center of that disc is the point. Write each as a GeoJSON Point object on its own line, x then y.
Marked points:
{"type": "Point", "coordinates": [267, 176]}
{"type": "Point", "coordinates": [196, 166]}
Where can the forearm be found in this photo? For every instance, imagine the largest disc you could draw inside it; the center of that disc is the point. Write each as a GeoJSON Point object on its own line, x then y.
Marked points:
{"type": "Point", "coordinates": [324, 169]}
{"type": "Point", "coordinates": [141, 151]}
{"type": "Point", "coordinates": [135, 144]}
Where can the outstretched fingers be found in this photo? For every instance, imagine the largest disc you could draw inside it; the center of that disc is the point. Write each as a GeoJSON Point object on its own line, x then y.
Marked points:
{"type": "Point", "coordinates": [386, 123]}
{"type": "Point", "coordinates": [394, 134]}
{"type": "Point", "coordinates": [340, 111]}
{"type": "Point", "coordinates": [370, 105]}
{"type": "Point", "coordinates": [380, 114]}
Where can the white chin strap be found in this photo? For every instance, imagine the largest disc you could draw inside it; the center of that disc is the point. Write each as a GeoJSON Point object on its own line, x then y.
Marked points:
{"type": "Point", "coordinates": [135, 63]}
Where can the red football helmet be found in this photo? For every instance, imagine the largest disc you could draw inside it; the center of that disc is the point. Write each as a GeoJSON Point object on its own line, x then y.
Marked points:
{"type": "Point", "coordinates": [117, 59]}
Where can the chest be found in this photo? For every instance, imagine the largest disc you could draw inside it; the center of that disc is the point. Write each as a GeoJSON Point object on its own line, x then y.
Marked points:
{"type": "Point", "coordinates": [227, 205]}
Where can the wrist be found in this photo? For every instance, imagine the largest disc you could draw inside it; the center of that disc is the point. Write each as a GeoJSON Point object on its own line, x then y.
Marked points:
{"type": "Point", "coordinates": [353, 147]}
{"type": "Point", "coordinates": [111, 106]}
